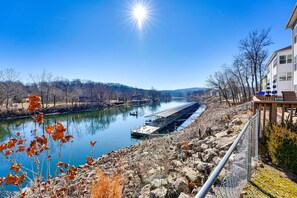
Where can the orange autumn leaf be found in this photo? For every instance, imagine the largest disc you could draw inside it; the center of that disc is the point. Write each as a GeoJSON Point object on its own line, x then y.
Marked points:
{"type": "Point", "coordinates": [59, 164]}
{"type": "Point", "coordinates": [18, 134]}
{"type": "Point", "coordinates": [72, 172]}
{"type": "Point", "coordinates": [59, 133]}
{"type": "Point", "coordinates": [93, 143]}
{"type": "Point", "coordinates": [11, 179]}
{"type": "Point", "coordinates": [16, 167]}
{"type": "Point", "coordinates": [42, 140]}
{"type": "Point", "coordinates": [2, 179]}
{"type": "Point", "coordinates": [66, 139]}
{"type": "Point", "coordinates": [40, 119]}
{"type": "Point", "coordinates": [8, 152]}
{"type": "Point", "coordinates": [12, 143]}
{"type": "Point", "coordinates": [21, 179]}
{"type": "Point", "coordinates": [3, 147]}
{"type": "Point", "coordinates": [23, 195]}
{"type": "Point", "coordinates": [90, 160]}
{"type": "Point", "coordinates": [21, 141]}
{"type": "Point", "coordinates": [60, 127]}
{"type": "Point", "coordinates": [49, 129]}
{"type": "Point", "coordinates": [32, 149]}
{"type": "Point", "coordinates": [21, 149]}
{"type": "Point", "coordinates": [34, 103]}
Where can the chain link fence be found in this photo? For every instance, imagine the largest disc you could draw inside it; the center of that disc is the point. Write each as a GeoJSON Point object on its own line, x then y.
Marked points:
{"type": "Point", "coordinates": [233, 172]}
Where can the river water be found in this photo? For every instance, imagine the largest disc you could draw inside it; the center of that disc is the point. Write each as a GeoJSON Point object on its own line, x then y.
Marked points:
{"type": "Point", "coordinates": [110, 128]}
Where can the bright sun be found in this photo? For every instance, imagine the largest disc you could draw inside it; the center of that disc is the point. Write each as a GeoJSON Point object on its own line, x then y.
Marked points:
{"type": "Point", "coordinates": [140, 14]}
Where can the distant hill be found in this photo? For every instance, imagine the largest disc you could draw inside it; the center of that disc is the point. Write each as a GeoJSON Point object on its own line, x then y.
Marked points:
{"type": "Point", "coordinates": [182, 92]}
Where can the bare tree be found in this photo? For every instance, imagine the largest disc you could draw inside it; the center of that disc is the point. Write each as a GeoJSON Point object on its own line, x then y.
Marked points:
{"type": "Point", "coordinates": [218, 81]}
{"type": "Point", "coordinates": [43, 82]}
{"type": "Point", "coordinates": [253, 47]}
{"type": "Point", "coordinates": [9, 85]}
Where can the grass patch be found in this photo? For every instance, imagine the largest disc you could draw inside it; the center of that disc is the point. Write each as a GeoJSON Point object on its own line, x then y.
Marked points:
{"type": "Point", "coordinates": [271, 182]}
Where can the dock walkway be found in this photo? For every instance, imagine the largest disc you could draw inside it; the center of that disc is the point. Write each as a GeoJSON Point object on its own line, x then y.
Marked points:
{"type": "Point", "coordinates": [163, 119]}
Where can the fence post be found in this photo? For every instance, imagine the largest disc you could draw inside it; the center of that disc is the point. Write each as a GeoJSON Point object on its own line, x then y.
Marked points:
{"type": "Point", "coordinates": [249, 153]}
{"type": "Point", "coordinates": [257, 130]}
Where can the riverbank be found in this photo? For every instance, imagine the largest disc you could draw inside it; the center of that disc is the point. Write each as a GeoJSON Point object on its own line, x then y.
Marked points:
{"type": "Point", "coordinates": [65, 109]}
{"type": "Point", "coordinates": [175, 165]}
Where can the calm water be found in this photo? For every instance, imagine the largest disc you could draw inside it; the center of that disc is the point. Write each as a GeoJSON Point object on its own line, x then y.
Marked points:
{"type": "Point", "coordinates": [110, 128]}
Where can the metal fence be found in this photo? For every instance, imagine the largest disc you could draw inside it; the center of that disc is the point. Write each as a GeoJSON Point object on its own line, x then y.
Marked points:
{"type": "Point", "coordinates": [234, 170]}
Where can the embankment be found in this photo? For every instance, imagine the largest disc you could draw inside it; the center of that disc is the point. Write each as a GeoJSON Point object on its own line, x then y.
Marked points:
{"type": "Point", "coordinates": [175, 165]}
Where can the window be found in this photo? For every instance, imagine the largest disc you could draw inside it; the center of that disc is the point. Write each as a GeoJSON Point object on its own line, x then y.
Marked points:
{"type": "Point", "coordinates": [289, 76]}
{"type": "Point", "coordinates": [282, 76]}
{"type": "Point", "coordinates": [289, 58]}
{"type": "Point", "coordinates": [274, 62]}
{"type": "Point", "coordinates": [282, 59]}
{"type": "Point", "coordinates": [285, 76]}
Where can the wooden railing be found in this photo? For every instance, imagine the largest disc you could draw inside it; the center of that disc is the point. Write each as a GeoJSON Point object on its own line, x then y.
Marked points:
{"type": "Point", "coordinates": [268, 110]}
{"type": "Point", "coordinates": [268, 98]}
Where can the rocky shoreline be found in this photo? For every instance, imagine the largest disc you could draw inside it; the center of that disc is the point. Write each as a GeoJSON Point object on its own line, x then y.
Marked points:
{"type": "Point", "coordinates": [175, 165]}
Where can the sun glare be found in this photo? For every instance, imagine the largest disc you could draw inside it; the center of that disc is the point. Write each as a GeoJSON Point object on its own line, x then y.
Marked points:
{"type": "Point", "coordinates": [140, 13]}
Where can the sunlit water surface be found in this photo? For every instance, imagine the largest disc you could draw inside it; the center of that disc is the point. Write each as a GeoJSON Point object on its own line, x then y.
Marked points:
{"type": "Point", "coordinates": [110, 128]}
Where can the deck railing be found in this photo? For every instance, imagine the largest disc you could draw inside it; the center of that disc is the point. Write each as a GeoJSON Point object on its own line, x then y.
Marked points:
{"type": "Point", "coordinates": [234, 170]}
{"type": "Point", "coordinates": [272, 110]}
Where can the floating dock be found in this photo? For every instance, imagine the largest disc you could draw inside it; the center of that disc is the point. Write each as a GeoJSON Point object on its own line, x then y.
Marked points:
{"type": "Point", "coordinates": [157, 121]}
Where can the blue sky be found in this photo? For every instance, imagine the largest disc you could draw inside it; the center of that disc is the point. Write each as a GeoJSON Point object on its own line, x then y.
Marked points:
{"type": "Point", "coordinates": [183, 42]}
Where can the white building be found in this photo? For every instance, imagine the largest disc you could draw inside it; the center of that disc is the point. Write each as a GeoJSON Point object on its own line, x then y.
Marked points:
{"type": "Point", "coordinates": [292, 24]}
{"type": "Point", "coordinates": [279, 70]}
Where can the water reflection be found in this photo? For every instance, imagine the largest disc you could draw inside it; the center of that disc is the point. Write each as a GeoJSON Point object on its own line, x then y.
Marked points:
{"type": "Point", "coordinates": [110, 128]}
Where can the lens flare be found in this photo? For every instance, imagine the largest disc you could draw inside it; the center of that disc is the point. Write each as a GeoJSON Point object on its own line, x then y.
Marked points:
{"type": "Point", "coordinates": [140, 13]}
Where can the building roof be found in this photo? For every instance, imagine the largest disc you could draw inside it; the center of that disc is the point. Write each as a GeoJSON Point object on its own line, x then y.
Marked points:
{"type": "Point", "coordinates": [293, 18]}
{"type": "Point", "coordinates": [171, 111]}
{"type": "Point", "coordinates": [274, 54]}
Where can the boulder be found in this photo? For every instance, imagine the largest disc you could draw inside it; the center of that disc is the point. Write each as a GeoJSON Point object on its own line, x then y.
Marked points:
{"type": "Point", "coordinates": [204, 146]}
{"type": "Point", "coordinates": [145, 191]}
{"type": "Point", "coordinates": [183, 195]}
{"type": "Point", "coordinates": [157, 183]}
{"type": "Point", "coordinates": [216, 160]}
{"type": "Point", "coordinates": [192, 175]}
{"type": "Point", "coordinates": [208, 155]}
{"type": "Point", "coordinates": [176, 163]}
{"type": "Point", "coordinates": [159, 193]}
{"type": "Point", "coordinates": [236, 121]}
{"type": "Point", "coordinates": [181, 184]}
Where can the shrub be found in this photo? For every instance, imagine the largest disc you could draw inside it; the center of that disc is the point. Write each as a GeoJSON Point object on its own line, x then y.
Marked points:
{"type": "Point", "coordinates": [106, 187]}
{"type": "Point", "coordinates": [282, 147]}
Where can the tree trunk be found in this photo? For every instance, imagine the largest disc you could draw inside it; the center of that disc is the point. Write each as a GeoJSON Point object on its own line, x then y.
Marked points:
{"type": "Point", "coordinates": [54, 100]}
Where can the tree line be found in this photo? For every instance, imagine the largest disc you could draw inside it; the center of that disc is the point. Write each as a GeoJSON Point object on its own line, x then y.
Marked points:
{"type": "Point", "coordinates": [241, 80]}
{"type": "Point", "coordinates": [57, 90]}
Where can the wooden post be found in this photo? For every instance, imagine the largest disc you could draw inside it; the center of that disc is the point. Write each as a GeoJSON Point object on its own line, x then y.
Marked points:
{"type": "Point", "coordinates": [264, 116]}
{"type": "Point", "coordinates": [273, 113]}
{"type": "Point", "coordinates": [291, 118]}
{"type": "Point", "coordinates": [283, 113]}
{"type": "Point", "coordinates": [256, 106]}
